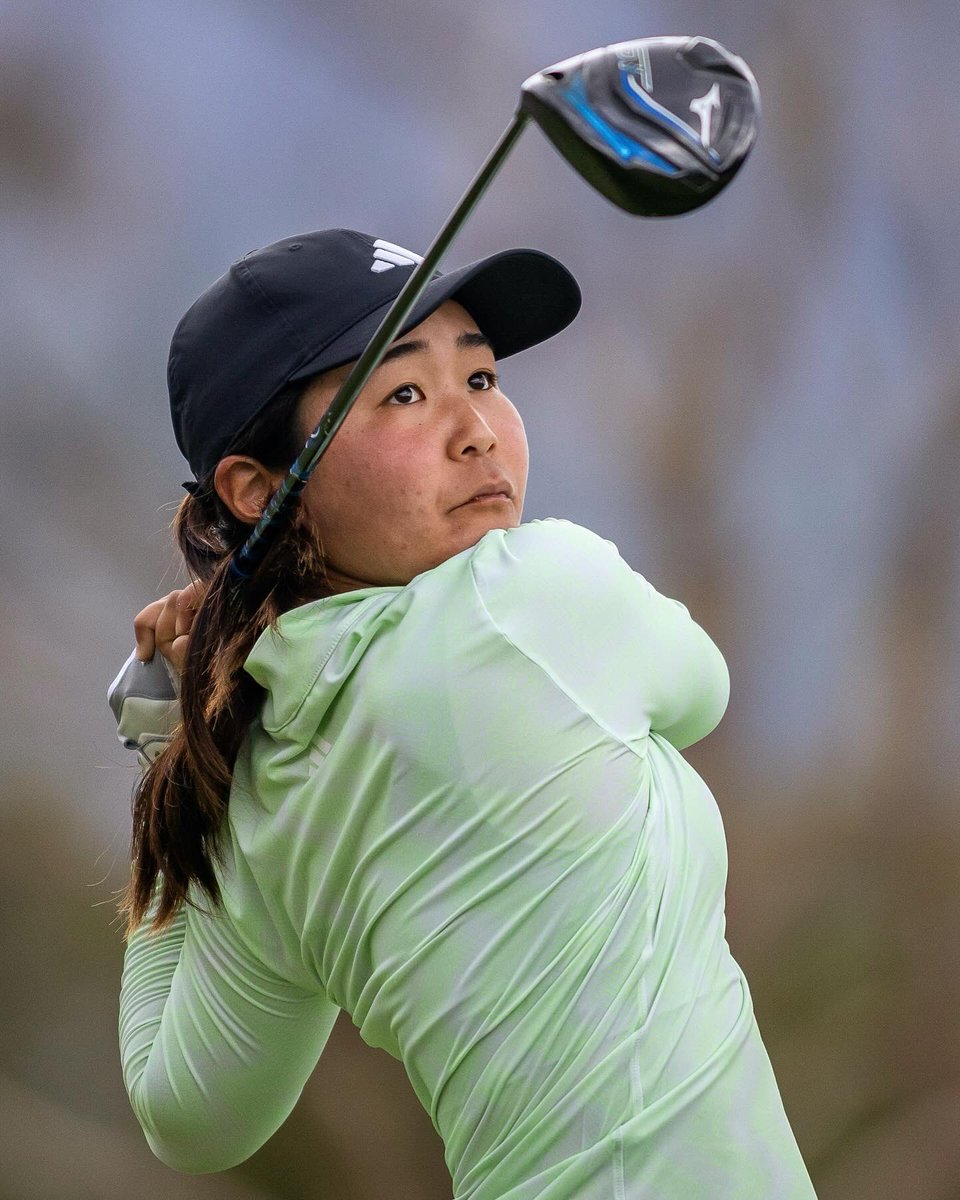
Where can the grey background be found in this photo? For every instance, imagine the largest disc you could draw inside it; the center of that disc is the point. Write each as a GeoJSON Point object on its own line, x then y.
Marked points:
{"type": "Point", "coordinates": [758, 404]}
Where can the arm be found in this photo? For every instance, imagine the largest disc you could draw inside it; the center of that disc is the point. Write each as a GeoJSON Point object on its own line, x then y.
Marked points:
{"type": "Point", "coordinates": [631, 657]}
{"type": "Point", "coordinates": [215, 1047]}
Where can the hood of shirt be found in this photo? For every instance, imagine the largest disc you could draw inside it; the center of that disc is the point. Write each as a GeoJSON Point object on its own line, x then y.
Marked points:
{"type": "Point", "coordinates": [304, 662]}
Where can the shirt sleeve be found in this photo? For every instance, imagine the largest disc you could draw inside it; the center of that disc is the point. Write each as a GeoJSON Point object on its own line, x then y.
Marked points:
{"type": "Point", "coordinates": [215, 1047]}
{"type": "Point", "coordinates": [631, 657]}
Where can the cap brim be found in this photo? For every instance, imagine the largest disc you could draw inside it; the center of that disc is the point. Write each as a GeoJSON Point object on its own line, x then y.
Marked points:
{"type": "Point", "coordinates": [517, 298]}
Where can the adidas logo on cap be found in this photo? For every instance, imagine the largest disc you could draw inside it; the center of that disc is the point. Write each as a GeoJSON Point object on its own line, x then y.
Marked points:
{"type": "Point", "coordinates": [386, 256]}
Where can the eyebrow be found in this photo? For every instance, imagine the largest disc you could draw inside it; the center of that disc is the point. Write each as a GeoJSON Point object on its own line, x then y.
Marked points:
{"type": "Point", "coordinates": [465, 341]}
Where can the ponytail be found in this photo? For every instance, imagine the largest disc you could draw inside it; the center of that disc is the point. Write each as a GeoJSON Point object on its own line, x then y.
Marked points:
{"type": "Point", "coordinates": [181, 800]}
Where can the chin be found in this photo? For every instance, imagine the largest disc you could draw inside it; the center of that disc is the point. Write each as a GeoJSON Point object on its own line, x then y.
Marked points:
{"type": "Point", "coordinates": [467, 534]}
{"type": "Point", "coordinates": [481, 520]}
{"type": "Point", "coordinates": [481, 526]}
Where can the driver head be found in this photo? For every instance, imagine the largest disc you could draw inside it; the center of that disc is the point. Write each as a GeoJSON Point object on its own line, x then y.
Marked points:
{"type": "Point", "coordinates": [658, 125]}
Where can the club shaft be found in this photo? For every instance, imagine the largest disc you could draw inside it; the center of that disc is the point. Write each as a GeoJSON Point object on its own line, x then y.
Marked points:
{"type": "Point", "coordinates": [251, 553]}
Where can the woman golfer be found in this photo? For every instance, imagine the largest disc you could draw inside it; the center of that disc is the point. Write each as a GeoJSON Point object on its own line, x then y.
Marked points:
{"type": "Point", "coordinates": [429, 770]}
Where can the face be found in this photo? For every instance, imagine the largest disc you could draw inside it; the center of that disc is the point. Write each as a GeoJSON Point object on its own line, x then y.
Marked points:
{"type": "Point", "coordinates": [394, 494]}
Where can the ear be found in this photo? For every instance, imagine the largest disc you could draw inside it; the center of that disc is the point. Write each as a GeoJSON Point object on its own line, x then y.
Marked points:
{"type": "Point", "coordinates": [245, 486]}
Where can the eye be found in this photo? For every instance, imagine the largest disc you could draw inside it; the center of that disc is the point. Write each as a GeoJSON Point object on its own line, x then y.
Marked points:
{"type": "Point", "coordinates": [483, 381]}
{"type": "Point", "coordinates": [405, 396]}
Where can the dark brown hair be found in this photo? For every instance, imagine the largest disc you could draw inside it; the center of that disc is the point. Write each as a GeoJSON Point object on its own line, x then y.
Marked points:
{"type": "Point", "coordinates": [180, 802]}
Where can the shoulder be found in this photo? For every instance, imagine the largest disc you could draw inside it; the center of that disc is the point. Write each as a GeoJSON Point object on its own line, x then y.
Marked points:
{"type": "Point", "coordinates": [550, 558]}
{"type": "Point", "coordinates": [302, 662]}
{"type": "Point", "coordinates": [555, 532]}
{"type": "Point", "coordinates": [551, 546]}
{"type": "Point", "coordinates": [629, 655]}
{"type": "Point", "coordinates": [553, 574]}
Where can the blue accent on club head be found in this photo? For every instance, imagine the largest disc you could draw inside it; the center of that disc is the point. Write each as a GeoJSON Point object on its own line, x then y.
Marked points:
{"type": "Point", "coordinates": [662, 115]}
{"type": "Point", "coordinates": [625, 147]}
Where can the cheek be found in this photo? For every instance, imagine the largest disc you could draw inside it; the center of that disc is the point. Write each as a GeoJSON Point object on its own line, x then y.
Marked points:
{"type": "Point", "coordinates": [367, 478]}
{"type": "Point", "coordinates": [362, 480]}
{"type": "Point", "coordinates": [514, 442]}
{"type": "Point", "coordinates": [395, 472]}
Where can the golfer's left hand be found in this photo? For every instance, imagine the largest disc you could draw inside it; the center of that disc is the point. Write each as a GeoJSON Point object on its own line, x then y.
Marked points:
{"type": "Point", "coordinates": [165, 624]}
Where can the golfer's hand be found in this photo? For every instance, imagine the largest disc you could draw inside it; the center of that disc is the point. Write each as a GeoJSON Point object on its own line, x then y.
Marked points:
{"type": "Point", "coordinates": [165, 624]}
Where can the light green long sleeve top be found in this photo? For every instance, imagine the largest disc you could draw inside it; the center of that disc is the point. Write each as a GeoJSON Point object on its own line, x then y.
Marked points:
{"type": "Point", "coordinates": [464, 818]}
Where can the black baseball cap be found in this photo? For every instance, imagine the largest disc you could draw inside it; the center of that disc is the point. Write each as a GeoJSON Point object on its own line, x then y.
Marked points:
{"type": "Point", "coordinates": [312, 302]}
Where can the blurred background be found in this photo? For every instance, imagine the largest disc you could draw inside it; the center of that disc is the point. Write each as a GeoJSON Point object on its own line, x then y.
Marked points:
{"type": "Point", "coordinates": [760, 404]}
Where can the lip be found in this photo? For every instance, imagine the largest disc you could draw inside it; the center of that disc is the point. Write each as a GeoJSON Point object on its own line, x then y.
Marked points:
{"type": "Point", "coordinates": [498, 491]}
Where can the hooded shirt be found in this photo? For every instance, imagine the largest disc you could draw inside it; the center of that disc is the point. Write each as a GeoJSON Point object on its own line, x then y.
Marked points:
{"type": "Point", "coordinates": [464, 818]}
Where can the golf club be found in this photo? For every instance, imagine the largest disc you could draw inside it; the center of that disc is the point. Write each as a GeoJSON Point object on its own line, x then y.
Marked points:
{"type": "Point", "coordinates": [621, 116]}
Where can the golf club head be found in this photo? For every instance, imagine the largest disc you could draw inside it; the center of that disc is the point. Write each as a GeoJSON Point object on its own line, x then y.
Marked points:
{"type": "Point", "coordinates": [658, 125]}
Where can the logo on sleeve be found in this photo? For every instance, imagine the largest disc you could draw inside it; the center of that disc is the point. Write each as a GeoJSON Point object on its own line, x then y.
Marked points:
{"type": "Point", "coordinates": [319, 749]}
{"type": "Point", "coordinates": [386, 256]}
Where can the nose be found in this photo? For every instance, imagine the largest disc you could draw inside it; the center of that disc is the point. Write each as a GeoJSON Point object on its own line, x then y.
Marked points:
{"type": "Point", "coordinates": [472, 435]}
